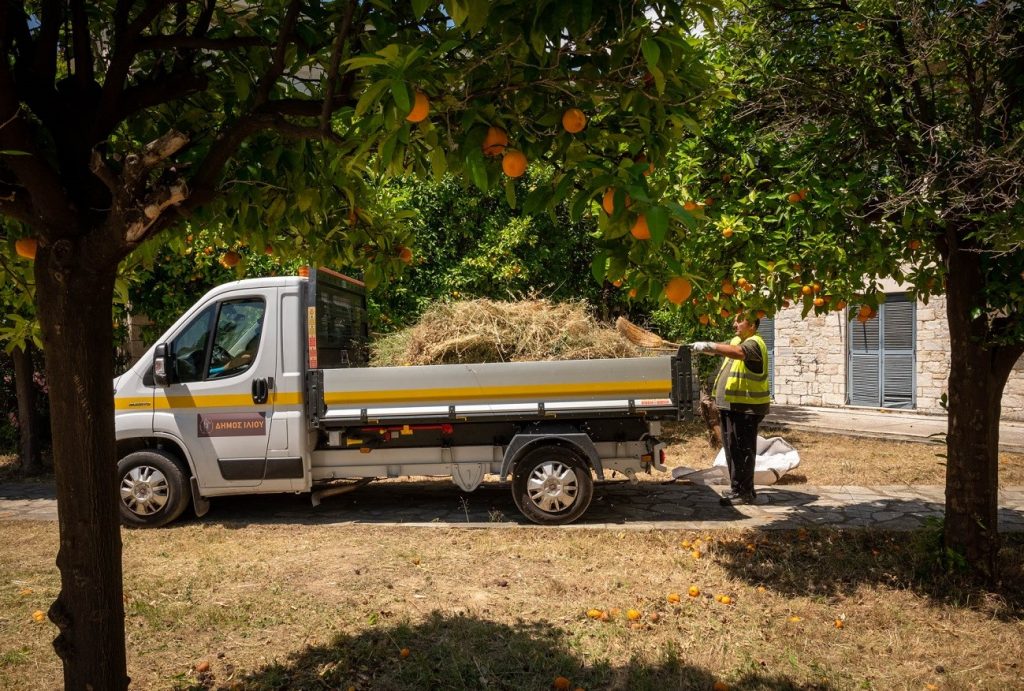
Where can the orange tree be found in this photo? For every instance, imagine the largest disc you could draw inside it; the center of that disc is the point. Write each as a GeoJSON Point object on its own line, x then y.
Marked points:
{"type": "Point", "coordinates": [858, 141]}
{"type": "Point", "coordinates": [121, 120]}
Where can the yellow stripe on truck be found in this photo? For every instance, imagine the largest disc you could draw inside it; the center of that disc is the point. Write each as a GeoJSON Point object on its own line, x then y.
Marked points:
{"type": "Point", "coordinates": [200, 401]}
{"type": "Point", "coordinates": [634, 389]}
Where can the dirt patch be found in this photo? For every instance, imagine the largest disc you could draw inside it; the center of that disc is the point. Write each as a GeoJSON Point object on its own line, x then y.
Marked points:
{"type": "Point", "coordinates": [333, 607]}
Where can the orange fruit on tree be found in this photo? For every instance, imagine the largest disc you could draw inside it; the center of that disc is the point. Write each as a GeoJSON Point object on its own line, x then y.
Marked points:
{"type": "Point", "coordinates": [727, 232]}
{"type": "Point", "coordinates": [794, 197]}
{"type": "Point", "coordinates": [704, 319]}
{"type": "Point", "coordinates": [914, 245]}
{"type": "Point", "coordinates": [405, 254]}
{"type": "Point", "coordinates": [495, 141]}
{"type": "Point", "coordinates": [513, 163]}
{"type": "Point", "coordinates": [632, 292]}
{"type": "Point", "coordinates": [690, 205]}
{"type": "Point", "coordinates": [573, 120]}
{"type": "Point", "coordinates": [761, 314]}
{"type": "Point", "coordinates": [26, 247]}
{"type": "Point", "coordinates": [818, 302]}
{"type": "Point", "coordinates": [865, 311]}
{"type": "Point", "coordinates": [723, 313]}
{"type": "Point", "coordinates": [708, 201]}
{"type": "Point", "coordinates": [420, 108]}
{"type": "Point", "coordinates": [727, 287]}
{"type": "Point", "coordinates": [806, 290]}
{"type": "Point", "coordinates": [230, 259]}
{"type": "Point", "coordinates": [640, 230]}
{"type": "Point", "coordinates": [816, 287]}
{"type": "Point", "coordinates": [677, 290]}
{"type": "Point", "coordinates": [608, 201]}
{"type": "Point", "coordinates": [268, 249]}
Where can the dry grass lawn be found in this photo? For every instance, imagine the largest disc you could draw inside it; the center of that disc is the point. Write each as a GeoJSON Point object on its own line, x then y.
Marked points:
{"type": "Point", "coordinates": [333, 607]}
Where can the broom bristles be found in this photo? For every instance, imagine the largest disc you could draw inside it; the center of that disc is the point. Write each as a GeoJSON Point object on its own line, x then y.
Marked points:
{"type": "Point", "coordinates": [641, 336]}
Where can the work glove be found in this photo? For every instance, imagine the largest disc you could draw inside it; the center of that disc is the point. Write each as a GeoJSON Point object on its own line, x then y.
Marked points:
{"type": "Point", "coordinates": [704, 347]}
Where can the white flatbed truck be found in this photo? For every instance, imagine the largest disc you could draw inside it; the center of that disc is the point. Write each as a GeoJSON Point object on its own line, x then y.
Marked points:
{"type": "Point", "coordinates": [262, 387]}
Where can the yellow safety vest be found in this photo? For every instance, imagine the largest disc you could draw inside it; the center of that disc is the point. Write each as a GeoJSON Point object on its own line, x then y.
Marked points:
{"type": "Point", "coordinates": [744, 386]}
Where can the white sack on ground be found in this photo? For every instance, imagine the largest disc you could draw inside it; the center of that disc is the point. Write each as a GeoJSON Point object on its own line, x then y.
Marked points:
{"type": "Point", "coordinates": [775, 457]}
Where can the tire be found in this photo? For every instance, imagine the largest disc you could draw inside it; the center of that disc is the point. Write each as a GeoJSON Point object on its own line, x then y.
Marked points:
{"type": "Point", "coordinates": [152, 487]}
{"type": "Point", "coordinates": [551, 485]}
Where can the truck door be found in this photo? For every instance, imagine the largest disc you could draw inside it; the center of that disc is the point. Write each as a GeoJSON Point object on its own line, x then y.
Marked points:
{"type": "Point", "coordinates": [220, 401]}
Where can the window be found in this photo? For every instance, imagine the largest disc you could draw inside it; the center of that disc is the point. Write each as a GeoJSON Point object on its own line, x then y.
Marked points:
{"type": "Point", "coordinates": [189, 348]}
{"type": "Point", "coordinates": [235, 343]}
{"type": "Point", "coordinates": [237, 338]}
{"type": "Point", "coordinates": [881, 363]}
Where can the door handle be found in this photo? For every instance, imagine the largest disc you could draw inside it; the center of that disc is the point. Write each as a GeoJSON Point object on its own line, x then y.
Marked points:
{"type": "Point", "coordinates": [260, 391]}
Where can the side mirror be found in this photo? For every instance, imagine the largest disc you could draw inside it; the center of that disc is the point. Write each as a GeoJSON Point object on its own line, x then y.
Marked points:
{"type": "Point", "coordinates": [162, 365]}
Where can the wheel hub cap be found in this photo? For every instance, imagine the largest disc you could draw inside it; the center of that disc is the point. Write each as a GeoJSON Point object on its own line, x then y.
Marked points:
{"type": "Point", "coordinates": [144, 490]}
{"type": "Point", "coordinates": [552, 487]}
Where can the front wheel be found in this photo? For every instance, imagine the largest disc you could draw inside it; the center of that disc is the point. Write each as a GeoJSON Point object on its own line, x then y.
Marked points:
{"type": "Point", "coordinates": [551, 485]}
{"type": "Point", "coordinates": [153, 489]}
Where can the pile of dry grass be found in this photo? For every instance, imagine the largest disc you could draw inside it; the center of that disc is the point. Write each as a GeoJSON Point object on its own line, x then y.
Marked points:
{"type": "Point", "coordinates": [489, 331]}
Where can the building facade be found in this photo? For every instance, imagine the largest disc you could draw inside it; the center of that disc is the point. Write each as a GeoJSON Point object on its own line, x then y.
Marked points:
{"type": "Point", "coordinates": [899, 360]}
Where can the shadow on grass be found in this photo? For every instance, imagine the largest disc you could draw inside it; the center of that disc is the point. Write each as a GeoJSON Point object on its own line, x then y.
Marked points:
{"type": "Point", "coordinates": [459, 652]}
{"type": "Point", "coordinates": [834, 563]}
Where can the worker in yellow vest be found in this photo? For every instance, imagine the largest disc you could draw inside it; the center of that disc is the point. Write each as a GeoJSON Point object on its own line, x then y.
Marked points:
{"type": "Point", "coordinates": [743, 396]}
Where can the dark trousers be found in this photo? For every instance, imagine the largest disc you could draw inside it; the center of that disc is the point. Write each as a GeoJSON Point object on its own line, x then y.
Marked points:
{"type": "Point", "coordinates": [739, 436]}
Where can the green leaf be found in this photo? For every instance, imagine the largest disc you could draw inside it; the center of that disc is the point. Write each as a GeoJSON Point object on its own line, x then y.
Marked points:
{"type": "Point", "coordinates": [241, 80]}
{"type": "Point", "coordinates": [657, 223]}
{"type": "Point", "coordinates": [477, 169]}
{"type": "Point", "coordinates": [400, 92]}
{"type": "Point", "coordinates": [510, 192]}
{"type": "Point", "coordinates": [651, 52]}
{"type": "Point", "coordinates": [362, 61]}
{"type": "Point", "coordinates": [370, 96]}
{"type": "Point", "coordinates": [599, 267]}
{"type": "Point", "coordinates": [438, 163]}
{"type": "Point", "coordinates": [419, 7]}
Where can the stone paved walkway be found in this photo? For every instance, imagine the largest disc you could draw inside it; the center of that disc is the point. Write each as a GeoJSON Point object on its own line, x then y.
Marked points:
{"type": "Point", "coordinates": [615, 506]}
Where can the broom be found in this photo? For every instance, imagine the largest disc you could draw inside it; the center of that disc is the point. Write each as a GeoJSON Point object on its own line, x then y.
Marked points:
{"type": "Point", "coordinates": [642, 337]}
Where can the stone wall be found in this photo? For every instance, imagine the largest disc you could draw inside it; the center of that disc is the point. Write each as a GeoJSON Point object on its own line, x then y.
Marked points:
{"type": "Point", "coordinates": [810, 361]}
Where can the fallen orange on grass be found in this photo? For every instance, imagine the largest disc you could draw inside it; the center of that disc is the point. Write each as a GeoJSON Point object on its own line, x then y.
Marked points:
{"type": "Point", "coordinates": [594, 613]}
{"type": "Point", "coordinates": [561, 683]}
{"type": "Point", "coordinates": [673, 598]}
{"type": "Point", "coordinates": [404, 652]}
{"type": "Point", "coordinates": [720, 686]}
{"type": "Point", "coordinates": [632, 614]}
{"type": "Point", "coordinates": [694, 591]}
{"type": "Point", "coordinates": [38, 615]}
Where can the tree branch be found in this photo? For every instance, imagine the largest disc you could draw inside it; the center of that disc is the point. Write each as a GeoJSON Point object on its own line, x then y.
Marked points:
{"type": "Point", "coordinates": [16, 204]}
{"type": "Point", "coordinates": [82, 45]}
{"type": "Point", "coordinates": [172, 42]}
{"type": "Point", "coordinates": [51, 19]}
{"type": "Point", "coordinates": [154, 93]}
{"type": "Point", "coordinates": [276, 68]}
{"type": "Point", "coordinates": [344, 27]}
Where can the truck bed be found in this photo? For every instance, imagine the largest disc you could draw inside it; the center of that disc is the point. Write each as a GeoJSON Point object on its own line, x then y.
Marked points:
{"type": "Point", "coordinates": [641, 386]}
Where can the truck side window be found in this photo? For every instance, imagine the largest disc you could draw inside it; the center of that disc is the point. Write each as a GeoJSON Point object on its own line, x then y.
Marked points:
{"type": "Point", "coordinates": [236, 340]}
{"type": "Point", "coordinates": [189, 348]}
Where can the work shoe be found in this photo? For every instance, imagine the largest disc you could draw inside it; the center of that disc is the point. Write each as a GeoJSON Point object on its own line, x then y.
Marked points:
{"type": "Point", "coordinates": [736, 499]}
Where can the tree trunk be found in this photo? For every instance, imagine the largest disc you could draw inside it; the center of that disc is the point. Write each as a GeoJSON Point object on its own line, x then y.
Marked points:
{"type": "Point", "coordinates": [73, 300]}
{"type": "Point", "coordinates": [977, 376]}
{"type": "Point", "coordinates": [28, 427]}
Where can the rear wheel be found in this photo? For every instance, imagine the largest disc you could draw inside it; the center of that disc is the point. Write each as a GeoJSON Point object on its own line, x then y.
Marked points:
{"type": "Point", "coordinates": [551, 485]}
{"type": "Point", "coordinates": [153, 488]}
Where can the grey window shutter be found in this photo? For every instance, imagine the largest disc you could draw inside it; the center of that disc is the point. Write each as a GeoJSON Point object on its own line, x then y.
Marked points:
{"type": "Point", "coordinates": [881, 368]}
{"type": "Point", "coordinates": [898, 352]}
